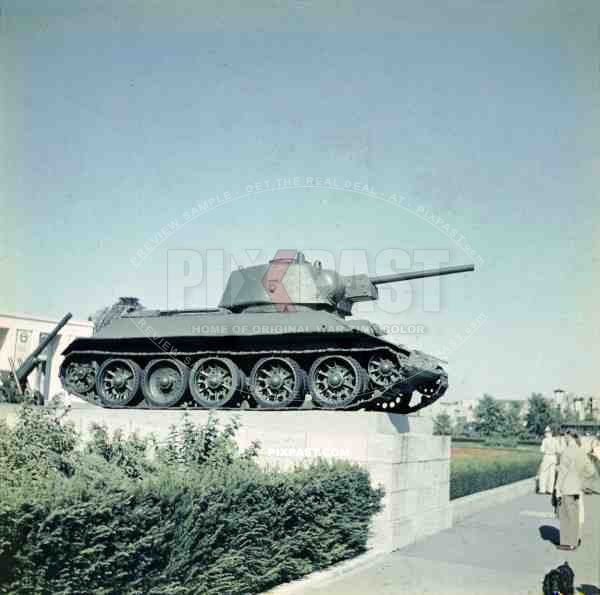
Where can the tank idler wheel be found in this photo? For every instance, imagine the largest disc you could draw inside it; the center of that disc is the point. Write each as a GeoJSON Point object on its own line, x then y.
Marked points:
{"type": "Point", "coordinates": [432, 391]}
{"type": "Point", "coordinates": [335, 381]}
{"type": "Point", "coordinates": [384, 370]}
{"type": "Point", "coordinates": [118, 382]}
{"type": "Point", "coordinates": [427, 390]}
{"type": "Point", "coordinates": [427, 393]}
{"type": "Point", "coordinates": [164, 382]}
{"type": "Point", "coordinates": [78, 378]}
{"type": "Point", "coordinates": [277, 382]}
{"type": "Point", "coordinates": [216, 382]}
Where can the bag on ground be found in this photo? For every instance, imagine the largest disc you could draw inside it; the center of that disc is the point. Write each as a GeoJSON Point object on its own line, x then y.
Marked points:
{"type": "Point", "coordinates": [559, 581]}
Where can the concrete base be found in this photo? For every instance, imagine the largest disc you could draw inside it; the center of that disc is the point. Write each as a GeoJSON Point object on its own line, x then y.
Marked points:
{"type": "Point", "coordinates": [399, 451]}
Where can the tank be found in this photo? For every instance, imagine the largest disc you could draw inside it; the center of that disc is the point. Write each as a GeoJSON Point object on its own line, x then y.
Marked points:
{"type": "Point", "coordinates": [283, 337]}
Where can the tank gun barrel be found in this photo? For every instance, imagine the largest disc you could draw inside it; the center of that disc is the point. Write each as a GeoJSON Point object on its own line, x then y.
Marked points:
{"type": "Point", "coordinates": [421, 274]}
{"type": "Point", "coordinates": [28, 365]}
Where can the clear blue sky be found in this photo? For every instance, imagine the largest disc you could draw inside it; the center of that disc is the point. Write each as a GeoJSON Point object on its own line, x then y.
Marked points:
{"type": "Point", "coordinates": [116, 118]}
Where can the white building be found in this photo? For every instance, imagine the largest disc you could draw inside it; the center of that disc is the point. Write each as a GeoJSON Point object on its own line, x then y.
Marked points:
{"type": "Point", "coordinates": [463, 409]}
{"type": "Point", "coordinates": [582, 406]}
{"type": "Point", "coordinates": [20, 335]}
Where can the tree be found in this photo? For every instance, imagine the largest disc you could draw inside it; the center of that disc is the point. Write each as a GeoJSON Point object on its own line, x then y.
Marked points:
{"type": "Point", "coordinates": [541, 414]}
{"type": "Point", "coordinates": [569, 417]}
{"type": "Point", "coordinates": [490, 417]}
{"type": "Point", "coordinates": [442, 425]}
{"type": "Point", "coordinates": [513, 425]}
{"type": "Point", "coordinates": [460, 426]}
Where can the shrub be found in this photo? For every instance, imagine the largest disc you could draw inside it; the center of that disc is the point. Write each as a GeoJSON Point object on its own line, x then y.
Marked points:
{"type": "Point", "coordinates": [471, 439]}
{"type": "Point", "coordinates": [40, 445]}
{"type": "Point", "coordinates": [499, 441]}
{"type": "Point", "coordinates": [195, 515]}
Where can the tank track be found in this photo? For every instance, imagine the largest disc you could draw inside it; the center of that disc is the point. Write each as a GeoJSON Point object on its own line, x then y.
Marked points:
{"type": "Point", "coordinates": [97, 375]}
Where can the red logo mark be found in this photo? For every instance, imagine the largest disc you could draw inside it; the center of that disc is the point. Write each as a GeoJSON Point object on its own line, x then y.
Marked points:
{"type": "Point", "coordinates": [272, 281]}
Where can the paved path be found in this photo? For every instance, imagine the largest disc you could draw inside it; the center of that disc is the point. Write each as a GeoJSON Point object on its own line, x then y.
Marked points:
{"type": "Point", "coordinates": [504, 550]}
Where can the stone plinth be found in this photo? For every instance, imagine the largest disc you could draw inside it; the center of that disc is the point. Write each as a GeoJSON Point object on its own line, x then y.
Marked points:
{"type": "Point", "coordinates": [399, 452]}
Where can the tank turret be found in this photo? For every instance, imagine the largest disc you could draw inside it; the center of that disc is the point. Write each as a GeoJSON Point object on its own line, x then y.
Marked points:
{"type": "Point", "coordinates": [283, 332]}
{"type": "Point", "coordinates": [289, 283]}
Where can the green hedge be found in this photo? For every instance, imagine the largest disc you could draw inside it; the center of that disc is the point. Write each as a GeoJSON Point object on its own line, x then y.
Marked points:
{"type": "Point", "coordinates": [458, 440]}
{"type": "Point", "coordinates": [197, 517]}
{"type": "Point", "coordinates": [466, 439]}
{"type": "Point", "coordinates": [501, 441]}
{"type": "Point", "coordinates": [469, 475]}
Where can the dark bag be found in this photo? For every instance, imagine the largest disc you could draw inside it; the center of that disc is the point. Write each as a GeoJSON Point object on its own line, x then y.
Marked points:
{"type": "Point", "coordinates": [559, 581]}
{"type": "Point", "coordinates": [567, 578]}
{"type": "Point", "coordinates": [551, 585]}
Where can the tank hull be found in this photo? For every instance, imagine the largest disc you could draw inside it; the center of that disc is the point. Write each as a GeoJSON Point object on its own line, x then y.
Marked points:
{"type": "Point", "coordinates": [263, 360]}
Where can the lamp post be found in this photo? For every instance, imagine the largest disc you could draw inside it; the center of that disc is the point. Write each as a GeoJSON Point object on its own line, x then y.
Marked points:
{"type": "Point", "coordinates": [559, 393]}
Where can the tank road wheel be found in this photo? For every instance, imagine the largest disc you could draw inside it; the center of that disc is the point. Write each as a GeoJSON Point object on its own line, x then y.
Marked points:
{"type": "Point", "coordinates": [335, 381]}
{"type": "Point", "coordinates": [277, 382]}
{"type": "Point", "coordinates": [78, 378]}
{"type": "Point", "coordinates": [384, 371]}
{"type": "Point", "coordinates": [118, 382]}
{"type": "Point", "coordinates": [165, 382]}
{"type": "Point", "coordinates": [215, 382]}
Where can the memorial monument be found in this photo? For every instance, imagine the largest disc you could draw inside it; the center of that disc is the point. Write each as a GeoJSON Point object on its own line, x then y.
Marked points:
{"type": "Point", "coordinates": [282, 330]}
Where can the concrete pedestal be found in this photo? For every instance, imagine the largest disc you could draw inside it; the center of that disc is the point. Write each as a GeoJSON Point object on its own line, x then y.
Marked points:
{"type": "Point", "coordinates": [399, 452]}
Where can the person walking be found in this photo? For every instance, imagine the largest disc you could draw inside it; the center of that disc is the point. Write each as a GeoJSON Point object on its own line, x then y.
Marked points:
{"type": "Point", "coordinates": [594, 454]}
{"type": "Point", "coordinates": [574, 468]}
{"type": "Point", "coordinates": [595, 448]}
{"type": "Point", "coordinates": [561, 443]}
{"type": "Point", "coordinates": [547, 470]}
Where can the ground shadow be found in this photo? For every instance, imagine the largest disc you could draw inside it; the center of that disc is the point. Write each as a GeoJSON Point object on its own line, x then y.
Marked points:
{"type": "Point", "coordinates": [588, 590]}
{"type": "Point", "coordinates": [551, 534]}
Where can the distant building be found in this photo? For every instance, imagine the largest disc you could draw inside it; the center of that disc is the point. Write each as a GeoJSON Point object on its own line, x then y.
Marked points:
{"type": "Point", "coordinates": [581, 406]}
{"type": "Point", "coordinates": [584, 428]}
{"type": "Point", "coordinates": [463, 409]}
{"type": "Point", "coordinates": [20, 335]}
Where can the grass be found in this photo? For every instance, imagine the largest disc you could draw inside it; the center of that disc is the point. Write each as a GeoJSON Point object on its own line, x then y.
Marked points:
{"type": "Point", "coordinates": [471, 445]}
{"type": "Point", "coordinates": [477, 468]}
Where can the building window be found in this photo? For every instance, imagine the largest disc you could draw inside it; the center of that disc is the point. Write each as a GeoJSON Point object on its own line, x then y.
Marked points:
{"type": "Point", "coordinates": [23, 345]}
{"type": "Point", "coordinates": [3, 333]}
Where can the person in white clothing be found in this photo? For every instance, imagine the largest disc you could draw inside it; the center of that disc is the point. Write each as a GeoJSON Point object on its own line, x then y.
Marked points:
{"type": "Point", "coordinates": [547, 470]}
{"type": "Point", "coordinates": [561, 443]}
{"type": "Point", "coordinates": [574, 470]}
{"type": "Point", "coordinates": [595, 447]}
